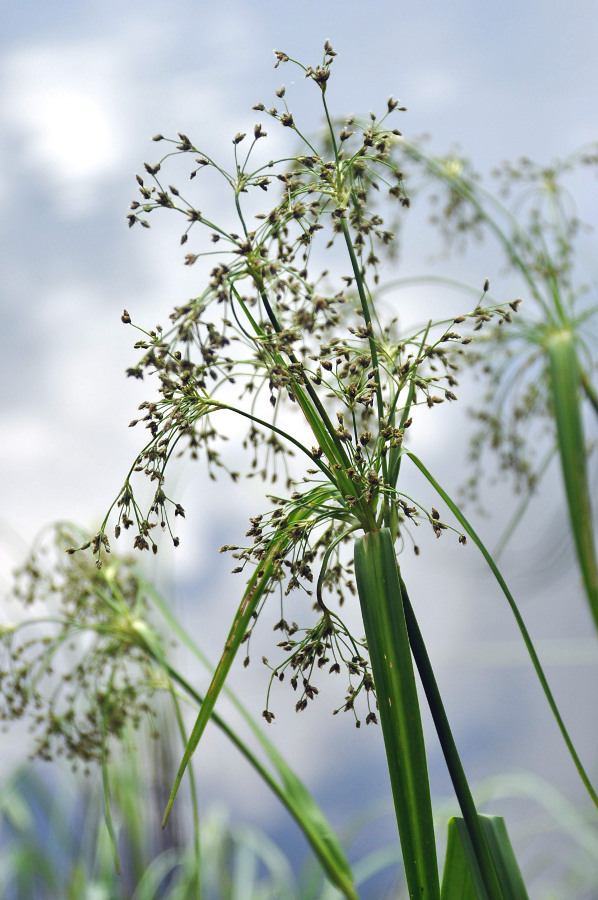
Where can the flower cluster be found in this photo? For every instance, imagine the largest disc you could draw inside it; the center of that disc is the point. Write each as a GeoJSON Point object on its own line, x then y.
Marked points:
{"type": "Point", "coordinates": [268, 339]}
{"type": "Point", "coordinates": [533, 218]}
{"type": "Point", "coordinates": [84, 668]}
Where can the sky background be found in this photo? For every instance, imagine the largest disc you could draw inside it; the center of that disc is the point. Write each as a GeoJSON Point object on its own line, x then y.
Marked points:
{"type": "Point", "coordinates": [83, 87]}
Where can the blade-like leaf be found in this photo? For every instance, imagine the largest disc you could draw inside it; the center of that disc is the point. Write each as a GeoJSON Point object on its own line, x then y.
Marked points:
{"type": "Point", "coordinates": [461, 878]}
{"type": "Point", "coordinates": [518, 618]}
{"type": "Point", "coordinates": [379, 589]}
{"type": "Point", "coordinates": [305, 809]}
{"type": "Point", "coordinates": [290, 791]}
{"type": "Point", "coordinates": [566, 404]}
{"type": "Point", "coordinates": [257, 585]}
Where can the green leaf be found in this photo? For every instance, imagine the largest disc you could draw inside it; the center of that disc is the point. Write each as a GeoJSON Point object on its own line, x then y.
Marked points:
{"type": "Point", "coordinates": [518, 618]}
{"type": "Point", "coordinates": [461, 878]}
{"type": "Point", "coordinates": [379, 591]}
{"type": "Point", "coordinates": [294, 795]}
{"type": "Point", "coordinates": [257, 585]}
{"type": "Point", "coordinates": [291, 791]}
{"type": "Point", "coordinates": [566, 403]}
{"type": "Point", "coordinates": [471, 818]}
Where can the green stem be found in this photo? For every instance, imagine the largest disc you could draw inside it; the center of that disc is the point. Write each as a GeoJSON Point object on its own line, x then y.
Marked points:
{"type": "Point", "coordinates": [449, 749]}
{"type": "Point", "coordinates": [368, 321]}
{"type": "Point", "coordinates": [106, 778]}
{"type": "Point", "coordinates": [520, 623]}
{"type": "Point", "coordinates": [321, 425]}
{"type": "Point", "coordinates": [292, 793]}
{"type": "Point", "coordinates": [379, 589]}
{"type": "Point", "coordinates": [259, 283]}
{"type": "Point", "coordinates": [257, 586]}
{"type": "Point", "coordinates": [289, 795]}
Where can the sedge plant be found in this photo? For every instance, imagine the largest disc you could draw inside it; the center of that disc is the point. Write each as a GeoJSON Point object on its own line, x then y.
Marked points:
{"type": "Point", "coordinates": [308, 362]}
{"type": "Point", "coordinates": [356, 383]}
{"type": "Point", "coordinates": [87, 663]}
{"type": "Point", "coordinates": [539, 373]}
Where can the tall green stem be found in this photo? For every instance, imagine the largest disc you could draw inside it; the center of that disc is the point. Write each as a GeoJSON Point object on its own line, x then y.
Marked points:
{"type": "Point", "coordinates": [379, 591]}
{"type": "Point", "coordinates": [449, 749]}
{"type": "Point", "coordinates": [365, 308]}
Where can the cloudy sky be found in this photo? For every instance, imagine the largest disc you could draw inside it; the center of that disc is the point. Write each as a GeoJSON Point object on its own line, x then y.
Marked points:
{"type": "Point", "coordinates": [83, 87]}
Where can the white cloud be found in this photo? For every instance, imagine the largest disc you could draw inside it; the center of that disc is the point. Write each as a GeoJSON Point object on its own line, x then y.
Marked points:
{"type": "Point", "coordinates": [60, 102]}
{"type": "Point", "coordinates": [434, 87]}
{"type": "Point", "coordinates": [73, 110]}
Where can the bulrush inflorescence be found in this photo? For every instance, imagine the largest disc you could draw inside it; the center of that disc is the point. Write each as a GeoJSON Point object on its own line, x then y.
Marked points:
{"type": "Point", "coordinates": [532, 217]}
{"type": "Point", "coordinates": [283, 338]}
{"type": "Point", "coordinates": [85, 669]}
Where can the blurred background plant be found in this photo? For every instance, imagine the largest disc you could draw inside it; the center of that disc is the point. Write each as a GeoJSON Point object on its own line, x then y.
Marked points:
{"type": "Point", "coordinates": [80, 668]}
{"type": "Point", "coordinates": [538, 376]}
{"type": "Point", "coordinates": [55, 845]}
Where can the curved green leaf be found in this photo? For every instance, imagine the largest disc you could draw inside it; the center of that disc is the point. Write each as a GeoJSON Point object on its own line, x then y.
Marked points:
{"type": "Point", "coordinates": [566, 404]}
{"type": "Point", "coordinates": [518, 618]}
{"type": "Point", "coordinates": [256, 587]}
{"type": "Point", "coordinates": [290, 790]}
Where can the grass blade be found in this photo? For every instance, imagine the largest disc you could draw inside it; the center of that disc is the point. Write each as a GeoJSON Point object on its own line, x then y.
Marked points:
{"type": "Point", "coordinates": [565, 385]}
{"type": "Point", "coordinates": [518, 618]}
{"type": "Point", "coordinates": [379, 591]}
{"type": "Point", "coordinates": [461, 879]}
{"type": "Point", "coordinates": [290, 790]}
{"type": "Point", "coordinates": [257, 585]}
{"type": "Point", "coordinates": [472, 820]}
{"type": "Point", "coordinates": [294, 795]}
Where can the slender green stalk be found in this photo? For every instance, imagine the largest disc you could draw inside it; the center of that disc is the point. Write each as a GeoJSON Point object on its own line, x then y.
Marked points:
{"type": "Point", "coordinates": [258, 584]}
{"type": "Point", "coordinates": [194, 799]}
{"type": "Point", "coordinates": [449, 749]}
{"type": "Point", "coordinates": [315, 413]}
{"type": "Point", "coordinates": [292, 794]}
{"type": "Point", "coordinates": [388, 643]}
{"type": "Point", "coordinates": [106, 791]}
{"type": "Point", "coordinates": [520, 623]}
{"type": "Point", "coordinates": [365, 308]}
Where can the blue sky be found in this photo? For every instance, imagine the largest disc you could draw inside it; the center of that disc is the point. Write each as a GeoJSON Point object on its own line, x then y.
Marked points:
{"type": "Point", "coordinates": [82, 89]}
